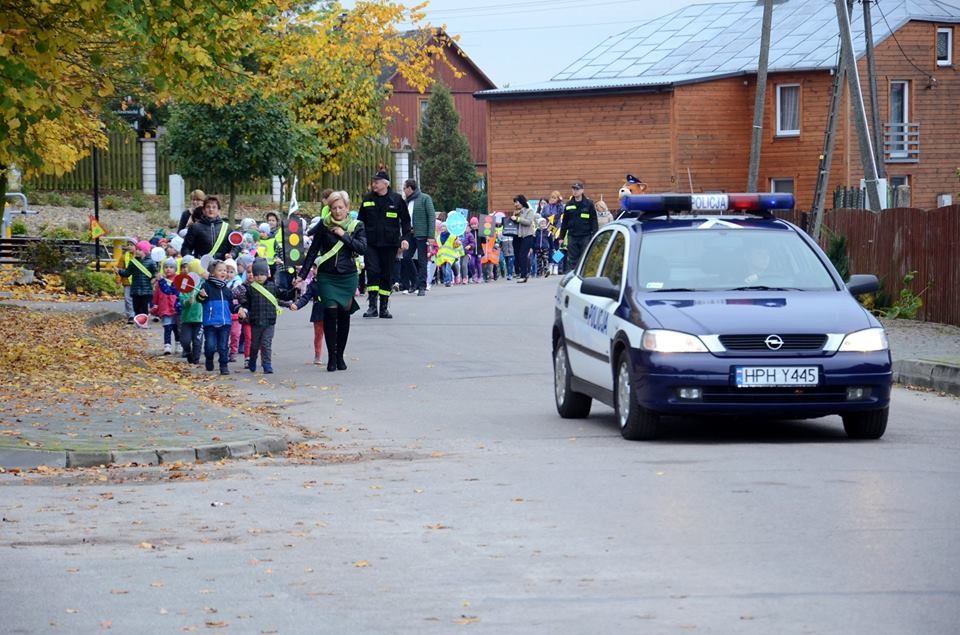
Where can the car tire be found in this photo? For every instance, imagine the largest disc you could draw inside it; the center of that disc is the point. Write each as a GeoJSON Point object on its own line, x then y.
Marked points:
{"type": "Point", "coordinates": [636, 422]}
{"type": "Point", "coordinates": [570, 404]}
{"type": "Point", "coordinates": [866, 425]}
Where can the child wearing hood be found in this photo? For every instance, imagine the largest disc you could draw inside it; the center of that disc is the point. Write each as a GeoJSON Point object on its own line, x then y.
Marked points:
{"type": "Point", "coordinates": [166, 306]}
{"type": "Point", "coordinates": [542, 246]}
{"type": "Point", "coordinates": [218, 307]}
{"type": "Point", "coordinates": [191, 316]}
{"type": "Point", "coordinates": [141, 270]}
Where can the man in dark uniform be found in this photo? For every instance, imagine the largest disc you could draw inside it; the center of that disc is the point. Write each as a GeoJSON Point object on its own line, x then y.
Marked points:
{"type": "Point", "coordinates": [386, 219]}
{"type": "Point", "coordinates": [578, 225]}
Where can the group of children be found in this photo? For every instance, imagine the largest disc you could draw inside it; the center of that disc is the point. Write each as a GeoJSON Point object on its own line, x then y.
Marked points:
{"type": "Point", "coordinates": [228, 306]}
{"type": "Point", "coordinates": [474, 258]}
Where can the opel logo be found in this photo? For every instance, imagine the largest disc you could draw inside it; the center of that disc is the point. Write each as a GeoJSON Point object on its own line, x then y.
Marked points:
{"type": "Point", "coordinates": [774, 342]}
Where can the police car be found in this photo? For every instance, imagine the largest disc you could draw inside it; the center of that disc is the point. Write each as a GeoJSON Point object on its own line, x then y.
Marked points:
{"type": "Point", "coordinates": [710, 305]}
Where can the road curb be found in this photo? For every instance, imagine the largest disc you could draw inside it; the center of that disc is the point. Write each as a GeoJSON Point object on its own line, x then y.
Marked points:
{"type": "Point", "coordinates": [105, 317]}
{"type": "Point", "coordinates": [928, 374]}
{"type": "Point", "coordinates": [24, 458]}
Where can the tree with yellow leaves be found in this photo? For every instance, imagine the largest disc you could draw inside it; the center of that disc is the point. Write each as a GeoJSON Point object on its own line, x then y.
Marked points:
{"type": "Point", "coordinates": [61, 60]}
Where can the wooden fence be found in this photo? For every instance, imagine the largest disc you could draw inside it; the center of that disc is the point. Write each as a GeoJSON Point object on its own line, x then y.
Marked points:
{"type": "Point", "coordinates": [120, 169]}
{"type": "Point", "coordinates": [896, 241]}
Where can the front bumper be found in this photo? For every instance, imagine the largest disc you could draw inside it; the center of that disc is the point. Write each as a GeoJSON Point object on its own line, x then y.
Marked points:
{"type": "Point", "coordinates": [658, 378]}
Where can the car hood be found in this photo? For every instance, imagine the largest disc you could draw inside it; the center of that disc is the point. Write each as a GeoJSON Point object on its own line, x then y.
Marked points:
{"type": "Point", "coordinates": [755, 312]}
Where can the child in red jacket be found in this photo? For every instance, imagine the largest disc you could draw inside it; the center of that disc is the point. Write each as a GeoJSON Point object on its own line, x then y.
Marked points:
{"type": "Point", "coordinates": [166, 306]}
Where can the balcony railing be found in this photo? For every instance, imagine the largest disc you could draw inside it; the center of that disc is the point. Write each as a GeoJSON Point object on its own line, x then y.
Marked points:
{"type": "Point", "coordinates": [901, 142]}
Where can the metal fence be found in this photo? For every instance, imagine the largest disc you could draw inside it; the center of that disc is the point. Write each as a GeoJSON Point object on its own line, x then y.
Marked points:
{"type": "Point", "coordinates": [897, 241]}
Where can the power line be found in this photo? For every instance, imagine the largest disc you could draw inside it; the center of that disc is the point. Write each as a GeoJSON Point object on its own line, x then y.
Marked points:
{"type": "Point", "coordinates": [550, 27]}
{"type": "Point", "coordinates": [902, 52]}
{"type": "Point", "coordinates": [497, 9]}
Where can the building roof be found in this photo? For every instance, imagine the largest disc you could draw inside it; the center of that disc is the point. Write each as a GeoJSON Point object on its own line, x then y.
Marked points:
{"type": "Point", "coordinates": [388, 73]}
{"type": "Point", "coordinates": [707, 41]}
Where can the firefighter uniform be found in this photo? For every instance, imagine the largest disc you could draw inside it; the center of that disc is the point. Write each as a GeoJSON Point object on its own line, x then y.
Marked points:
{"type": "Point", "coordinates": [578, 225]}
{"type": "Point", "coordinates": [386, 219]}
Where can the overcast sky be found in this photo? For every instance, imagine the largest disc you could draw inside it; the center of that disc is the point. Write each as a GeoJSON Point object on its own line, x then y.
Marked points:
{"type": "Point", "coordinates": [529, 41]}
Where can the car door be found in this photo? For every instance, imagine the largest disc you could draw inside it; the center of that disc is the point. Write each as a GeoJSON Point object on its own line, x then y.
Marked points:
{"type": "Point", "coordinates": [580, 314]}
{"type": "Point", "coordinates": [601, 313]}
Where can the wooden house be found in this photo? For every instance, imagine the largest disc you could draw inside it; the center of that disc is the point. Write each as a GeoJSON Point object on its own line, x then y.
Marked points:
{"type": "Point", "coordinates": [406, 104]}
{"type": "Point", "coordinates": [672, 101]}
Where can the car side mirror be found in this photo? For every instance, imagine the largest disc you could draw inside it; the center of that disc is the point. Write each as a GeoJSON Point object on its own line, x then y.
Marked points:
{"type": "Point", "coordinates": [600, 286]}
{"type": "Point", "coordinates": [863, 283]}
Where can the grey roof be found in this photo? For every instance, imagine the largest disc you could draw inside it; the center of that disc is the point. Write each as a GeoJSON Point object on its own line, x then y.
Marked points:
{"type": "Point", "coordinates": [706, 41]}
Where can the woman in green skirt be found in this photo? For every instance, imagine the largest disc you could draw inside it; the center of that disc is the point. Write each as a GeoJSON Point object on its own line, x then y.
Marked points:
{"type": "Point", "coordinates": [338, 241]}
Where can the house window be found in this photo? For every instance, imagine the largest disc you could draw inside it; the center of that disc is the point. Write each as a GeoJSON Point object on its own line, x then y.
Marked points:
{"type": "Point", "coordinates": [945, 46]}
{"type": "Point", "coordinates": [788, 110]}
{"type": "Point", "coordinates": [897, 181]}
{"type": "Point", "coordinates": [899, 117]}
{"type": "Point", "coordinates": [422, 110]}
{"type": "Point", "coordinates": [784, 185]}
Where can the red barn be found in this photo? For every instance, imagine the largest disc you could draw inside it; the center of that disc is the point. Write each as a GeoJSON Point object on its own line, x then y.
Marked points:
{"type": "Point", "coordinates": [406, 104]}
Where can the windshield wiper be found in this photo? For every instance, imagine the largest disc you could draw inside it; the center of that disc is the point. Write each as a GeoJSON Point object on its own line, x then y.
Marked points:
{"type": "Point", "coordinates": [761, 287]}
{"type": "Point", "coordinates": [671, 290]}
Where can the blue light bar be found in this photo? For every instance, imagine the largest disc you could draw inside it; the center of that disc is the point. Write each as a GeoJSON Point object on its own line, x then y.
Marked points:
{"type": "Point", "coordinates": [754, 203]}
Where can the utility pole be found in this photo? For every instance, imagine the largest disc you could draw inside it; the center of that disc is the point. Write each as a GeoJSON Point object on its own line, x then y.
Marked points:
{"type": "Point", "coordinates": [872, 83]}
{"type": "Point", "coordinates": [758, 104]}
{"type": "Point", "coordinates": [829, 142]}
{"type": "Point", "coordinates": [859, 114]}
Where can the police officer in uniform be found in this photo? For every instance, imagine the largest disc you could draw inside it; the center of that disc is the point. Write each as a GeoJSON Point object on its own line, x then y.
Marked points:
{"type": "Point", "coordinates": [387, 219]}
{"type": "Point", "coordinates": [578, 225]}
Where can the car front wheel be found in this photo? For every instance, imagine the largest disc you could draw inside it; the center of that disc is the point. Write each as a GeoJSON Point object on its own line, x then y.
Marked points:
{"type": "Point", "coordinates": [570, 404]}
{"type": "Point", "coordinates": [866, 425]}
{"type": "Point", "coordinates": [636, 422]}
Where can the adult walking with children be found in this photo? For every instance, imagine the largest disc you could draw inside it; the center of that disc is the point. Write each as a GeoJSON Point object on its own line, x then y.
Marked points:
{"type": "Point", "coordinates": [339, 239]}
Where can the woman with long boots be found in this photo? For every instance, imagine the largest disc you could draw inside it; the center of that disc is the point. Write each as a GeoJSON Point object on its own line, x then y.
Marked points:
{"type": "Point", "coordinates": [339, 239]}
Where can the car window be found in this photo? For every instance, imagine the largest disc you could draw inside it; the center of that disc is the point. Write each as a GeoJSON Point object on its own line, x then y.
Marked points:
{"type": "Point", "coordinates": [718, 259]}
{"type": "Point", "coordinates": [613, 265]}
{"type": "Point", "coordinates": [591, 260]}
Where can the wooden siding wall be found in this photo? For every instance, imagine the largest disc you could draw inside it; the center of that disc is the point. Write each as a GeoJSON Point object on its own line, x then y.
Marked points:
{"type": "Point", "coordinates": [537, 146]}
{"type": "Point", "coordinates": [896, 241]}
{"type": "Point", "coordinates": [710, 128]}
{"type": "Point", "coordinates": [934, 108]}
{"type": "Point", "coordinates": [711, 139]}
{"type": "Point", "coordinates": [404, 104]}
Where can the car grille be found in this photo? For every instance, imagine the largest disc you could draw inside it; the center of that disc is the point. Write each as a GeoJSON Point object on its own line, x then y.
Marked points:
{"type": "Point", "coordinates": [758, 342]}
{"type": "Point", "coordinates": [730, 394]}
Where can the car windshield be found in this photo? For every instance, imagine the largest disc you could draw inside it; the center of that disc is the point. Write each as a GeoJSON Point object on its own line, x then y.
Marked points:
{"type": "Point", "coordinates": [729, 259]}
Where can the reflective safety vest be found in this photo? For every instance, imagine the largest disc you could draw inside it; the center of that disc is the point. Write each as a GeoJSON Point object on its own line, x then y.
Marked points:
{"type": "Point", "coordinates": [267, 248]}
{"type": "Point", "coordinates": [491, 253]}
{"type": "Point", "coordinates": [449, 251]}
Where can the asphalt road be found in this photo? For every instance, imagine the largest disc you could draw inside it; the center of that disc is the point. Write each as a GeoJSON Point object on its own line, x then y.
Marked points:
{"type": "Point", "coordinates": [450, 497]}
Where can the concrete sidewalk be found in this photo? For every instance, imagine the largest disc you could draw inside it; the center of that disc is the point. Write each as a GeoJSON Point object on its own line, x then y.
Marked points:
{"type": "Point", "coordinates": [94, 425]}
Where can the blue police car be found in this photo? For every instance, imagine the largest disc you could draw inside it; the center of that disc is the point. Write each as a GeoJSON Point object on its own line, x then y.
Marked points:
{"type": "Point", "coordinates": [710, 305]}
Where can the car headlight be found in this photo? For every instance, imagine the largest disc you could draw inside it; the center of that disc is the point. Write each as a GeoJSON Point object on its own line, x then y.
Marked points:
{"type": "Point", "coordinates": [660, 341]}
{"type": "Point", "coordinates": [865, 341]}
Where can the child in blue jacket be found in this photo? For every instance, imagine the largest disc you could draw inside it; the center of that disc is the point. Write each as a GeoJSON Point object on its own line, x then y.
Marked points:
{"type": "Point", "coordinates": [217, 299]}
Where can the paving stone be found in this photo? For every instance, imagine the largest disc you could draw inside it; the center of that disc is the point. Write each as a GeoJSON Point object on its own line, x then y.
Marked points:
{"type": "Point", "coordinates": [271, 445]}
{"type": "Point", "coordinates": [212, 453]}
{"type": "Point", "coordinates": [241, 449]}
{"type": "Point", "coordinates": [174, 455]}
{"type": "Point", "coordinates": [77, 458]}
{"type": "Point", "coordinates": [28, 459]}
{"type": "Point", "coordinates": [140, 457]}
